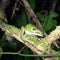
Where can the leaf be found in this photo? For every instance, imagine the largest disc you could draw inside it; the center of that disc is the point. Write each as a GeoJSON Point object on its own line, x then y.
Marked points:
{"type": "Point", "coordinates": [1, 51]}
{"type": "Point", "coordinates": [40, 16]}
{"type": "Point", "coordinates": [32, 3]}
{"type": "Point", "coordinates": [49, 23]}
{"type": "Point", "coordinates": [53, 14]}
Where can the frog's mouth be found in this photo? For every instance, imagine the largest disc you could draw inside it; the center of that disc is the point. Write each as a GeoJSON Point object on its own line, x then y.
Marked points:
{"type": "Point", "coordinates": [32, 34]}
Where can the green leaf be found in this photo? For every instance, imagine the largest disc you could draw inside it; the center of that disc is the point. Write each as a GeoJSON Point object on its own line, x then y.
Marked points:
{"type": "Point", "coordinates": [40, 16]}
{"type": "Point", "coordinates": [49, 23]}
{"type": "Point", "coordinates": [32, 3]}
{"type": "Point", "coordinates": [1, 51]}
{"type": "Point", "coordinates": [53, 14]}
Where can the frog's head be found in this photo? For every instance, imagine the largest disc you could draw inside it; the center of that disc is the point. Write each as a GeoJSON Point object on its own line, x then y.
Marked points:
{"type": "Point", "coordinates": [32, 30]}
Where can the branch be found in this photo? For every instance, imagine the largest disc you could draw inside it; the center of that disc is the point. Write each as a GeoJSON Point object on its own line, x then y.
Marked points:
{"type": "Point", "coordinates": [39, 47]}
{"type": "Point", "coordinates": [54, 35]}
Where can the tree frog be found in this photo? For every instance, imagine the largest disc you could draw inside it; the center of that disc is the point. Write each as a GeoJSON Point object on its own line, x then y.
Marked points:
{"type": "Point", "coordinates": [30, 29]}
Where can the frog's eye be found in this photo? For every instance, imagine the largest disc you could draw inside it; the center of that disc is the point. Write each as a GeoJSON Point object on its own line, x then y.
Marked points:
{"type": "Point", "coordinates": [34, 28]}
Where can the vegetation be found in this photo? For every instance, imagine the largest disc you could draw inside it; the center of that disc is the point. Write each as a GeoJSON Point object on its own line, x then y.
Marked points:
{"type": "Point", "coordinates": [17, 13]}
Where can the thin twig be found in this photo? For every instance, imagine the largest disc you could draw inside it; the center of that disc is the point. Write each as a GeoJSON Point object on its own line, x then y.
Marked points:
{"type": "Point", "coordinates": [21, 49]}
{"type": "Point", "coordinates": [15, 8]}
{"type": "Point", "coordinates": [54, 4]}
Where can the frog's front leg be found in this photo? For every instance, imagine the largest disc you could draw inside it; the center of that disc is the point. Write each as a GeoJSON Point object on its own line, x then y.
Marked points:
{"type": "Point", "coordinates": [22, 33]}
